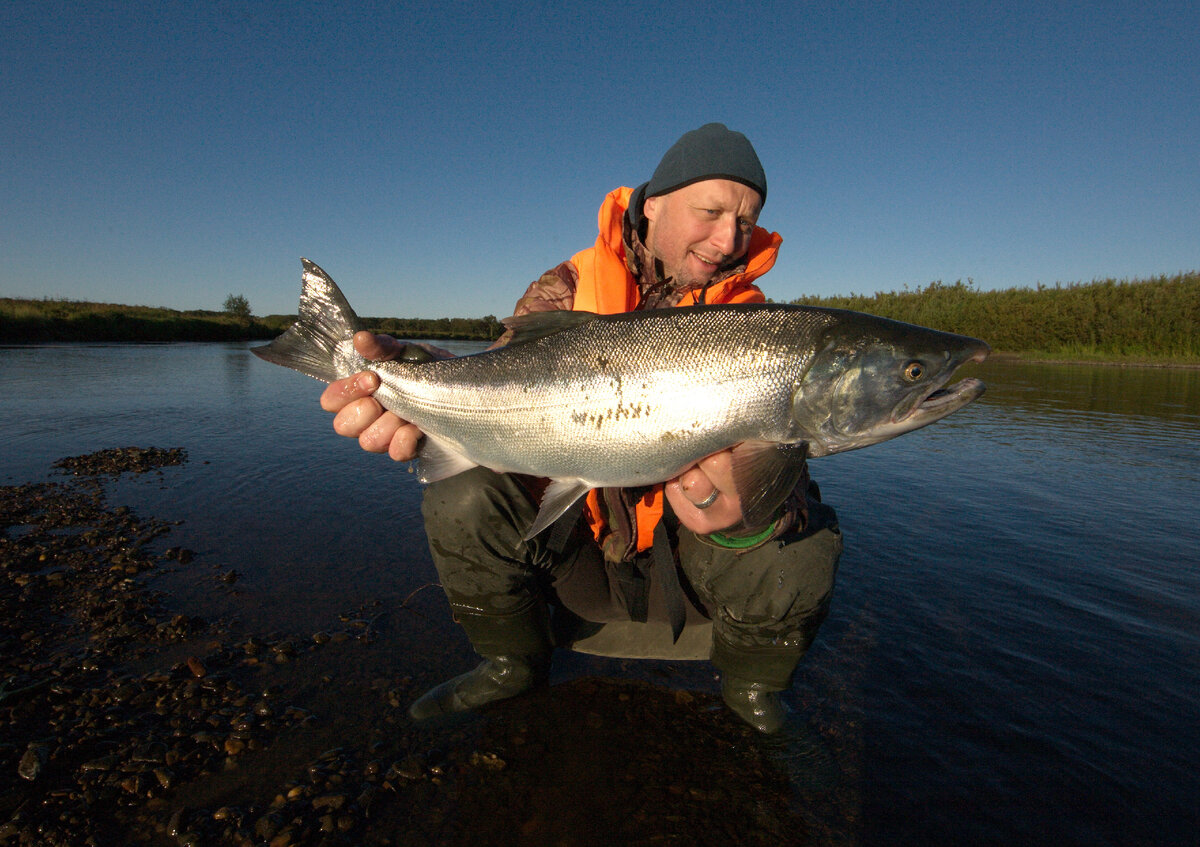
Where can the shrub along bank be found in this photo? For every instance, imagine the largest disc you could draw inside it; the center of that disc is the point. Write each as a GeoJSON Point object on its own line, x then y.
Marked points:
{"type": "Point", "coordinates": [1153, 320]}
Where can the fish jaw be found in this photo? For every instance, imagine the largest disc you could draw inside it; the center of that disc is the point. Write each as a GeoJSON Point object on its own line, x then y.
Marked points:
{"type": "Point", "coordinates": [937, 401]}
{"type": "Point", "coordinates": [860, 393]}
{"type": "Point", "coordinates": [939, 404]}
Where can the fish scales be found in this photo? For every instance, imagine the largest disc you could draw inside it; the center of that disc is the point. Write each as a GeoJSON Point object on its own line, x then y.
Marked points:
{"type": "Point", "coordinates": [624, 400]}
{"type": "Point", "coordinates": [615, 402]}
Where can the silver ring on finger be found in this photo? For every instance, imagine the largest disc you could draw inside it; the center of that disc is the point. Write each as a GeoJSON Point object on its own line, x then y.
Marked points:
{"type": "Point", "coordinates": [709, 500]}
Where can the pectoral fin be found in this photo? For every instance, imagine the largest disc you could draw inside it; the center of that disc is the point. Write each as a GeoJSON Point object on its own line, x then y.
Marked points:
{"type": "Point", "coordinates": [765, 474]}
{"type": "Point", "coordinates": [437, 460]}
{"type": "Point", "coordinates": [559, 496]}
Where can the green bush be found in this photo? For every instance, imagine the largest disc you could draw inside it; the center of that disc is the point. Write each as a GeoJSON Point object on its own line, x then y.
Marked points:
{"type": "Point", "coordinates": [1155, 320]}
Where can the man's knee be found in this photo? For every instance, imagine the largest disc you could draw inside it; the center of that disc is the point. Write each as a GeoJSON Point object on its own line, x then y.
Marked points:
{"type": "Point", "coordinates": [468, 493]}
{"type": "Point", "coordinates": [784, 585]}
{"type": "Point", "coordinates": [475, 523]}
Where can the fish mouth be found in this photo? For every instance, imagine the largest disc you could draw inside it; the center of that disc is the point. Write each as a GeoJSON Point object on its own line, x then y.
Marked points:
{"type": "Point", "coordinates": [943, 401]}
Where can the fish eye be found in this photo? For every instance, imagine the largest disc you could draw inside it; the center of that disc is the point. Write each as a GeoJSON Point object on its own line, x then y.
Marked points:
{"type": "Point", "coordinates": [913, 371]}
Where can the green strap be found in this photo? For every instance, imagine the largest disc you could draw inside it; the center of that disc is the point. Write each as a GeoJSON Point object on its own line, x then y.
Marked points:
{"type": "Point", "coordinates": [743, 542]}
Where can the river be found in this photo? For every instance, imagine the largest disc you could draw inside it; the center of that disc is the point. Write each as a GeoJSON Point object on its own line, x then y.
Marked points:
{"type": "Point", "coordinates": [1013, 654]}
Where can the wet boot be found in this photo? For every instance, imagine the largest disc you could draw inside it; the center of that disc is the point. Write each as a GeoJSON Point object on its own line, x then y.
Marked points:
{"type": "Point", "coordinates": [516, 658]}
{"type": "Point", "coordinates": [753, 681]}
{"type": "Point", "coordinates": [752, 684]}
{"type": "Point", "coordinates": [756, 703]}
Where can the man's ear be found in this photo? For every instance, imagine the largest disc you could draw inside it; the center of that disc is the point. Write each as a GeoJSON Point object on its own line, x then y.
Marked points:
{"type": "Point", "coordinates": [650, 207]}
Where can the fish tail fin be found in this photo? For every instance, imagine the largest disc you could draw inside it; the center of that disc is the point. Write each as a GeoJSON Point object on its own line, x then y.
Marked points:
{"type": "Point", "coordinates": [320, 343]}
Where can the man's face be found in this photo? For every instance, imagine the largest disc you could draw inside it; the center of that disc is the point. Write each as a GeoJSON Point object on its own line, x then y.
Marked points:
{"type": "Point", "coordinates": [698, 229]}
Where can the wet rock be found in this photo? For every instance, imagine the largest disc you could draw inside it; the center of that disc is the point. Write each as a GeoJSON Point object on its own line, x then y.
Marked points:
{"type": "Point", "coordinates": [332, 802]}
{"type": "Point", "coordinates": [119, 460]}
{"type": "Point", "coordinates": [103, 763]}
{"type": "Point", "coordinates": [410, 768]}
{"type": "Point", "coordinates": [286, 838]}
{"type": "Point", "coordinates": [268, 825]}
{"type": "Point", "coordinates": [488, 761]}
{"type": "Point", "coordinates": [32, 761]}
{"type": "Point", "coordinates": [174, 825]}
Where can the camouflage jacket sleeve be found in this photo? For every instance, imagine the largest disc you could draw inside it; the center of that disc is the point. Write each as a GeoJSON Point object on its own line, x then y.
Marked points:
{"type": "Point", "coordinates": [552, 291]}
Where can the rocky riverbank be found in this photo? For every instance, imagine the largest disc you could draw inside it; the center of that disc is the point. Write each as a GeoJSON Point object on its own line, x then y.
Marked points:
{"type": "Point", "coordinates": [125, 718]}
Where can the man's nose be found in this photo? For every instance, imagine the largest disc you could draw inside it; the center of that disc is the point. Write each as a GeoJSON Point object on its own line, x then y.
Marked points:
{"type": "Point", "coordinates": [724, 236]}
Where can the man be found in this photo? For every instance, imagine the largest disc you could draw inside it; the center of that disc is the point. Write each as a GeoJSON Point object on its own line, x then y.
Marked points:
{"type": "Point", "coordinates": [686, 236]}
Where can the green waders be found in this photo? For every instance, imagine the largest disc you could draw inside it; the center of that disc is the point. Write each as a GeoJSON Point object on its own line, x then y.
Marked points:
{"type": "Point", "coordinates": [766, 604]}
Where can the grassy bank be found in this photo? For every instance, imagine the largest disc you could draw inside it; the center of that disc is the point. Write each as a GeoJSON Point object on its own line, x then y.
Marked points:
{"type": "Point", "coordinates": [1153, 320]}
{"type": "Point", "coordinates": [41, 321]}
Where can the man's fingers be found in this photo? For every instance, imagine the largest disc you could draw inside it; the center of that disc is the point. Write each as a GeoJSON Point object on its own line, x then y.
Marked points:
{"type": "Point", "coordinates": [697, 487]}
{"type": "Point", "coordinates": [404, 443]}
{"type": "Point", "coordinates": [704, 496]}
{"type": "Point", "coordinates": [340, 393]}
{"type": "Point", "coordinates": [377, 437]}
{"type": "Point", "coordinates": [722, 513]}
{"type": "Point", "coordinates": [355, 417]}
{"type": "Point", "coordinates": [711, 474]}
{"type": "Point", "coordinates": [376, 347]}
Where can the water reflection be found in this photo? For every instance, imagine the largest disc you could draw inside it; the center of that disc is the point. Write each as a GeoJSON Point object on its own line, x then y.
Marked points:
{"type": "Point", "coordinates": [237, 369]}
{"type": "Point", "coordinates": [1131, 416]}
{"type": "Point", "coordinates": [1170, 394]}
{"type": "Point", "coordinates": [1014, 647]}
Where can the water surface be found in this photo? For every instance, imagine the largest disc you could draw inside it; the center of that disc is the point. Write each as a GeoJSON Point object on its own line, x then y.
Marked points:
{"type": "Point", "coordinates": [1013, 655]}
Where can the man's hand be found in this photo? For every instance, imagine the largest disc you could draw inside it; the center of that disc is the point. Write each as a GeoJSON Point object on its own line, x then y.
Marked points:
{"type": "Point", "coordinates": [359, 415]}
{"type": "Point", "coordinates": [710, 476]}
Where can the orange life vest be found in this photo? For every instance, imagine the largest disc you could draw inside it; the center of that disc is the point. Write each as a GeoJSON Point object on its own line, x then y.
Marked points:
{"type": "Point", "coordinates": [607, 287]}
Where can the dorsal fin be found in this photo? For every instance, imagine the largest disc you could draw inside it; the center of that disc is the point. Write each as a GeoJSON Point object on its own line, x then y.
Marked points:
{"type": "Point", "coordinates": [537, 325]}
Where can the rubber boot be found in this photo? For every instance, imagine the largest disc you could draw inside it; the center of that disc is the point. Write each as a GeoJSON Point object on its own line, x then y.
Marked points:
{"type": "Point", "coordinates": [756, 703]}
{"type": "Point", "coordinates": [753, 681]}
{"type": "Point", "coordinates": [752, 684]}
{"type": "Point", "coordinates": [516, 658]}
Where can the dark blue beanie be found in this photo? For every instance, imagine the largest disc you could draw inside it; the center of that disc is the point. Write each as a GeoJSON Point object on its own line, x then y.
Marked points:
{"type": "Point", "coordinates": [711, 152]}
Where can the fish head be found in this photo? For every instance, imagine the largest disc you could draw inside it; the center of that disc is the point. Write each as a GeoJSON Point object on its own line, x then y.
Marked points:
{"type": "Point", "coordinates": [872, 379]}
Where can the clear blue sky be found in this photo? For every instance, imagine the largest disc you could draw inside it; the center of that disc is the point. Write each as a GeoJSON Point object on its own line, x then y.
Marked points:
{"type": "Point", "coordinates": [436, 156]}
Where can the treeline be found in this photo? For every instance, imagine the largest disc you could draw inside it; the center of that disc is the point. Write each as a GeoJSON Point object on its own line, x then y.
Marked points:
{"type": "Point", "coordinates": [25, 321]}
{"type": "Point", "coordinates": [483, 329]}
{"type": "Point", "coordinates": [1153, 320]}
{"type": "Point", "coordinates": [48, 320]}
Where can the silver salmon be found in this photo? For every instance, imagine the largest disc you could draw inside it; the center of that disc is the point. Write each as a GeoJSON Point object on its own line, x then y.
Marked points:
{"type": "Point", "coordinates": [592, 401]}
